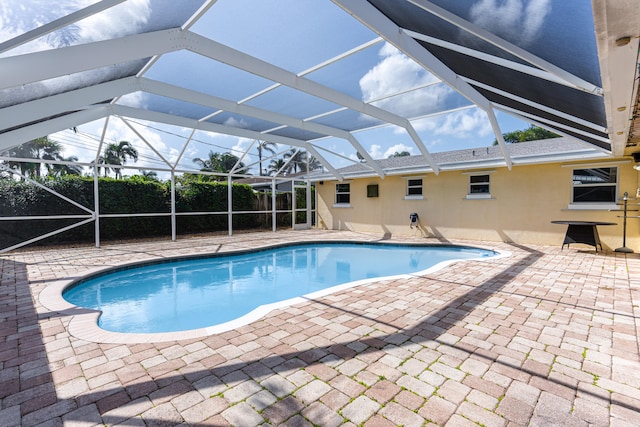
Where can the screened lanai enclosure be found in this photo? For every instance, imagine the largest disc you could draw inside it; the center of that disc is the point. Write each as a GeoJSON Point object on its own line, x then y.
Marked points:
{"type": "Point", "coordinates": [167, 110]}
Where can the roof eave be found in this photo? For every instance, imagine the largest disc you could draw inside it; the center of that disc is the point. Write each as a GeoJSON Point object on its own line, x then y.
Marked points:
{"type": "Point", "coordinates": [522, 160]}
{"type": "Point", "coordinates": [617, 26]}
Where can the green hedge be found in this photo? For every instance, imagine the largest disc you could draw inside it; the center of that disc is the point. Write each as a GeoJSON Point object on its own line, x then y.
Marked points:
{"type": "Point", "coordinates": [124, 196]}
{"type": "Point", "coordinates": [212, 196]}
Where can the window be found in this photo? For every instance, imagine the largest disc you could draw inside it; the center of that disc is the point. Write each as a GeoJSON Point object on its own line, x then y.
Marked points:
{"type": "Point", "coordinates": [343, 194]}
{"type": "Point", "coordinates": [479, 187]}
{"type": "Point", "coordinates": [414, 187]}
{"type": "Point", "coordinates": [372, 190]}
{"type": "Point", "coordinates": [597, 185]}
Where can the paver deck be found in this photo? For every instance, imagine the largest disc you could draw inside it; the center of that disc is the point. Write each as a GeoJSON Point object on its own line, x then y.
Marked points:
{"type": "Point", "coordinates": [541, 337]}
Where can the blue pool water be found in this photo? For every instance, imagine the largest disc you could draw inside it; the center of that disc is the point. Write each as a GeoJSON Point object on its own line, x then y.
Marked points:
{"type": "Point", "coordinates": [196, 293]}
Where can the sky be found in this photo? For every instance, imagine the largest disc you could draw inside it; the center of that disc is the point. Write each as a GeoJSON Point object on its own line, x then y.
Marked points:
{"type": "Point", "coordinates": [278, 31]}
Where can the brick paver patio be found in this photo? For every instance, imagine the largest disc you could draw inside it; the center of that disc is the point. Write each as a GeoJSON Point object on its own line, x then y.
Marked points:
{"type": "Point", "coordinates": [541, 337]}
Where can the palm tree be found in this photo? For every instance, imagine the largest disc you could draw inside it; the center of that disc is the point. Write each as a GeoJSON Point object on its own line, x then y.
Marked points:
{"type": "Point", "coordinates": [208, 164]}
{"type": "Point", "coordinates": [100, 161]}
{"type": "Point", "coordinates": [230, 161]}
{"type": "Point", "coordinates": [265, 146]}
{"type": "Point", "coordinates": [276, 165]}
{"type": "Point", "coordinates": [301, 161]}
{"type": "Point", "coordinates": [297, 160]}
{"type": "Point", "coordinates": [40, 148]}
{"type": "Point", "coordinates": [22, 151]}
{"type": "Point", "coordinates": [314, 164]}
{"type": "Point", "coordinates": [220, 162]}
{"type": "Point", "coordinates": [61, 170]}
{"type": "Point", "coordinates": [149, 175]}
{"type": "Point", "coordinates": [117, 154]}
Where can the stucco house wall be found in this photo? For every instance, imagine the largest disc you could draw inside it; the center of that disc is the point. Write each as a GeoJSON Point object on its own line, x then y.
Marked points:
{"type": "Point", "coordinates": [524, 201]}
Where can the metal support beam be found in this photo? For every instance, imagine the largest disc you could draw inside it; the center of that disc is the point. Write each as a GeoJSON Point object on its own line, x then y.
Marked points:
{"type": "Point", "coordinates": [153, 116]}
{"type": "Point", "coordinates": [45, 188]}
{"type": "Point", "coordinates": [596, 127]}
{"type": "Point", "coordinates": [522, 68]}
{"type": "Point", "coordinates": [187, 95]}
{"type": "Point", "coordinates": [96, 184]}
{"type": "Point", "coordinates": [79, 99]}
{"type": "Point", "coordinates": [139, 135]}
{"type": "Point", "coordinates": [57, 24]}
{"type": "Point", "coordinates": [274, 211]}
{"type": "Point", "coordinates": [294, 204]}
{"type": "Point", "coordinates": [87, 218]}
{"type": "Point", "coordinates": [173, 207]}
{"type": "Point", "coordinates": [379, 23]}
{"type": "Point", "coordinates": [498, 132]}
{"type": "Point", "coordinates": [499, 42]}
{"type": "Point", "coordinates": [229, 205]}
{"type": "Point", "coordinates": [217, 128]}
{"type": "Point", "coordinates": [23, 69]}
{"type": "Point", "coordinates": [214, 50]}
{"type": "Point", "coordinates": [38, 130]}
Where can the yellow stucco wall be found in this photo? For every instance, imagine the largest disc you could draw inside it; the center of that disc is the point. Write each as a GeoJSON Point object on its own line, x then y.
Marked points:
{"type": "Point", "coordinates": [523, 203]}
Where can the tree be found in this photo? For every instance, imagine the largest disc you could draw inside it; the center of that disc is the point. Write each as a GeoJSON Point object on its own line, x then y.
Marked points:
{"type": "Point", "coordinates": [220, 162]}
{"type": "Point", "coordinates": [117, 154]}
{"type": "Point", "coordinates": [100, 161]}
{"type": "Point", "coordinates": [314, 164]}
{"type": "Point", "coordinates": [294, 161]}
{"type": "Point", "coordinates": [23, 151]}
{"type": "Point", "coordinates": [149, 175]}
{"type": "Point", "coordinates": [297, 160]}
{"type": "Point", "coordinates": [300, 161]}
{"type": "Point", "coordinates": [56, 170]}
{"type": "Point", "coordinates": [230, 161]}
{"type": "Point", "coordinates": [399, 154]}
{"type": "Point", "coordinates": [276, 166]}
{"type": "Point", "coordinates": [265, 146]}
{"type": "Point", "coordinates": [40, 148]}
{"type": "Point", "coordinates": [532, 133]}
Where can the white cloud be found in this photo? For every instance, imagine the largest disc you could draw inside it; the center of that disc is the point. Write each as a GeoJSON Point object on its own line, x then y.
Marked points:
{"type": "Point", "coordinates": [460, 124]}
{"type": "Point", "coordinates": [18, 17]}
{"type": "Point", "coordinates": [429, 124]}
{"type": "Point", "coordinates": [125, 18]}
{"type": "Point", "coordinates": [464, 124]}
{"type": "Point", "coordinates": [376, 151]}
{"type": "Point", "coordinates": [133, 99]}
{"type": "Point", "coordinates": [435, 143]}
{"type": "Point", "coordinates": [394, 73]}
{"type": "Point", "coordinates": [239, 149]}
{"type": "Point", "coordinates": [234, 122]}
{"type": "Point", "coordinates": [519, 21]}
{"type": "Point", "coordinates": [398, 74]}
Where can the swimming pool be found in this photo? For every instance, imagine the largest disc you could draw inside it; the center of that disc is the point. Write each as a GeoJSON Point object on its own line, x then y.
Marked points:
{"type": "Point", "coordinates": [188, 294]}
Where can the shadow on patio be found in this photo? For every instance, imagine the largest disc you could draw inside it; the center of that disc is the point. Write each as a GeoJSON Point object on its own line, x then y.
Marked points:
{"type": "Point", "coordinates": [28, 376]}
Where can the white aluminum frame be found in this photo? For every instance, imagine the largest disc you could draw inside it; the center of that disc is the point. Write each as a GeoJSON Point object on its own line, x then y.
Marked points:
{"type": "Point", "coordinates": [33, 119]}
{"type": "Point", "coordinates": [95, 215]}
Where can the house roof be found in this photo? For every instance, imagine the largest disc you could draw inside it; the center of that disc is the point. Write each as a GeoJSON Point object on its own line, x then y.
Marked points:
{"type": "Point", "coordinates": [199, 65]}
{"type": "Point", "coordinates": [524, 153]}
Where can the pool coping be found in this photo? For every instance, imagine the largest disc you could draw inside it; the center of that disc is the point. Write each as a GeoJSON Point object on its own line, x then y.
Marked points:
{"type": "Point", "coordinates": [84, 322]}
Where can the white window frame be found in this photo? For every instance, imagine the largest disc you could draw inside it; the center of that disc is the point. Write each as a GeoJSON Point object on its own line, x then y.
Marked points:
{"type": "Point", "coordinates": [408, 196]}
{"type": "Point", "coordinates": [603, 205]}
{"type": "Point", "coordinates": [472, 196]}
{"type": "Point", "coordinates": [342, 204]}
